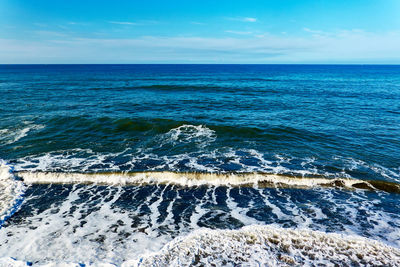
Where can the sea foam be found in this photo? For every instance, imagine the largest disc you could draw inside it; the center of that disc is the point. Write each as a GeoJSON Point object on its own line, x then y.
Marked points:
{"type": "Point", "coordinates": [258, 245]}
{"type": "Point", "coordinates": [198, 179]}
{"type": "Point", "coordinates": [10, 136]}
{"type": "Point", "coordinates": [11, 192]}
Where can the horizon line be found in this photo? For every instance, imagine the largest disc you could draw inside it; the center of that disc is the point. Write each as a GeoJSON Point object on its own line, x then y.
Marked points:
{"type": "Point", "coordinates": [354, 64]}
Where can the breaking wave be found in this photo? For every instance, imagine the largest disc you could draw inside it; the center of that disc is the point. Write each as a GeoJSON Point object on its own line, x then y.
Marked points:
{"type": "Point", "coordinates": [257, 245]}
{"type": "Point", "coordinates": [199, 134]}
{"type": "Point", "coordinates": [168, 145]}
{"type": "Point", "coordinates": [198, 179]}
{"type": "Point", "coordinates": [225, 160]}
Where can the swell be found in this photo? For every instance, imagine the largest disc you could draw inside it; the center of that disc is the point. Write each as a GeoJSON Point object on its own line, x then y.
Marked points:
{"type": "Point", "coordinates": [190, 179]}
{"type": "Point", "coordinates": [65, 125]}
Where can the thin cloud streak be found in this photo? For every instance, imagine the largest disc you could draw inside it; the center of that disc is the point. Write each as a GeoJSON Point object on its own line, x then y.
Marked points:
{"type": "Point", "coordinates": [197, 23]}
{"type": "Point", "coordinates": [239, 32]}
{"type": "Point", "coordinates": [124, 23]}
{"type": "Point", "coordinates": [338, 47]}
{"type": "Point", "coordinates": [249, 19]}
{"type": "Point", "coordinates": [140, 22]}
{"type": "Point", "coordinates": [51, 34]}
{"type": "Point", "coordinates": [244, 19]}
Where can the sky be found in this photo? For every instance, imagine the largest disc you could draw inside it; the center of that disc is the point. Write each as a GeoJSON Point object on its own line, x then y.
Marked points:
{"type": "Point", "coordinates": [191, 31]}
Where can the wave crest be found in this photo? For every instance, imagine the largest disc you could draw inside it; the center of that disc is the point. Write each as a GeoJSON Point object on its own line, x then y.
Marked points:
{"type": "Point", "coordinates": [200, 135]}
{"type": "Point", "coordinates": [198, 179]}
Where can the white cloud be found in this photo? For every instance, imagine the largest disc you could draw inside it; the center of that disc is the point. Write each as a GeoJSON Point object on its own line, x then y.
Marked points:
{"type": "Point", "coordinates": [140, 22]}
{"type": "Point", "coordinates": [42, 25]}
{"type": "Point", "coordinates": [197, 23]}
{"type": "Point", "coordinates": [249, 19]}
{"type": "Point", "coordinates": [244, 19]}
{"type": "Point", "coordinates": [311, 31]}
{"type": "Point", "coordinates": [124, 23]}
{"type": "Point", "coordinates": [351, 46]}
{"type": "Point", "coordinates": [50, 34]}
{"type": "Point", "coordinates": [77, 23]}
{"type": "Point", "coordinates": [239, 32]}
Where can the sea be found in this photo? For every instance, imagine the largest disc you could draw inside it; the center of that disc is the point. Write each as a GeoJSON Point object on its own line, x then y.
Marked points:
{"type": "Point", "coordinates": [199, 165]}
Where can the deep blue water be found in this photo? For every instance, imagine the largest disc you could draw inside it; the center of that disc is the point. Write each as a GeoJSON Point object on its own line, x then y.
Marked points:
{"type": "Point", "coordinates": [305, 120]}
{"type": "Point", "coordinates": [335, 115]}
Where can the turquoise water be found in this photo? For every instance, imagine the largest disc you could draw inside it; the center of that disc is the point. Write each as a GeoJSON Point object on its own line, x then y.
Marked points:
{"type": "Point", "coordinates": [304, 121]}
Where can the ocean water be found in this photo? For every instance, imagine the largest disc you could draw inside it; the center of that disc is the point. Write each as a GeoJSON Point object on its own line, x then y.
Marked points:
{"type": "Point", "coordinates": [203, 165]}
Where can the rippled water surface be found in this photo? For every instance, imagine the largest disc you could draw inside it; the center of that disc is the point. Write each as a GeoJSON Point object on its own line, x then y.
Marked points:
{"type": "Point", "coordinates": [169, 122]}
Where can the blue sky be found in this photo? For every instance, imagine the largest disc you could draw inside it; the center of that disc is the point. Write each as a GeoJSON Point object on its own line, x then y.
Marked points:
{"type": "Point", "coordinates": [121, 31]}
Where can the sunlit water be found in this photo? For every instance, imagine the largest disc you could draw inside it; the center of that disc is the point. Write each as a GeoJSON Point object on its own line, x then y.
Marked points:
{"type": "Point", "coordinates": [185, 157]}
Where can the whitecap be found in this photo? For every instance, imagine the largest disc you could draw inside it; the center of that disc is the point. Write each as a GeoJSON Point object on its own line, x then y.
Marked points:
{"type": "Point", "coordinates": [199, 135]}
{"type": "Point", "coordinates": [271, 246]}
{"type": "Point", "coordinates": [190, 179]}
{"type": "Point", "coordinates": [10, 136]}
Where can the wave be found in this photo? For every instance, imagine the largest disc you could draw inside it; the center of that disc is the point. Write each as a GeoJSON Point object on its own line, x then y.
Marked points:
{"type": "Point", "coordinates": [189, 133]}
{"type": "Point", "coordinates": [11, 192]}
{"type": "Point", "coordinates": [121, 223]}
{"type": "Point", "coordinates": [61, 126]}
{"type": "Point", "coordinates": [10, 136]}
{"type": "Point", "coordinates": [190, 179]}
{"type": "Point", "coordinates": [174, 152]}
{"type": "Point", "coordinates": [256, 245]}
{"type": "Point", "coordinates": [169, 145]}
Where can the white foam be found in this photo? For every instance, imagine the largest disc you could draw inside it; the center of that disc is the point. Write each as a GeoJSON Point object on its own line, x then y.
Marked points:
{"type": "Point", "coordinates": [199, 135]}
{"type": "Point", "coordinates": [92, 224]}
{"type": "Point", "coordinates": [187, 179]}
{"type": "Point", "coordinates": [199, 158]}
{"type": "Point", "coordinates": [259, 245]}
{"type": "Point", "coordinates": [77, 231]}
{"type": "Point", "coordinates": [11, 191]}
{"type": "Point", "coordinates": [72, 159]}
{"type": "Point", "coordinates": [199, 210]}
{"type": "Point", "coordinates": [9, 136]}
{"type": "Point", "coordinates": [254, 245]}
{"type": "Point", "coordinates": [10, 262]}
{"type": "Point", "coordinates": [237, 212]}
{"type": "Point", "coordinates": [355, 164]}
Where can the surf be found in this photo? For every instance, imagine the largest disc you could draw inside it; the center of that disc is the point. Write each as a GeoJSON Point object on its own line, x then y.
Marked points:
{"type": "Point", "coordinates": [191, 179]}
{"type": "Point", "coordinates": [11, 192]}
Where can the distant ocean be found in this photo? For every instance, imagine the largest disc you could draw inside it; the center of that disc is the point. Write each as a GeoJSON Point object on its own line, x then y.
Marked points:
{"type": "Point", "coordinates": [202, 165]}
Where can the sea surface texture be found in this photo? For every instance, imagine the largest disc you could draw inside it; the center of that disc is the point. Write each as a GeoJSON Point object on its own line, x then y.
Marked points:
{"type": "Point", "coordinates": [202, 165]}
